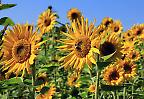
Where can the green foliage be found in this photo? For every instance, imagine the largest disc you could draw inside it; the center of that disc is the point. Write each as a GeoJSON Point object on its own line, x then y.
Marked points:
{"type": "Point", "coordinates": [6, 21]}
{"type": "Point", "coordinates": [6, 6]}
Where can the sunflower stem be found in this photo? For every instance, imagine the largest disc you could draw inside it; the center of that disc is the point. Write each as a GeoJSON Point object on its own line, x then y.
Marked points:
{"type": "Point", "coordinates": [132, 90]}
{"type": "Point", "coordinates": [33, 80]}
{"type": "Point", "coordinates": [114, 94]}
{"type": "Point", "coordinates": [124, 93]}
{"type": "Point", "coordinates": [97, 80]}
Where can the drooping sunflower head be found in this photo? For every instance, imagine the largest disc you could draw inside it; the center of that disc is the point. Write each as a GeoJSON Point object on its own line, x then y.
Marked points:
{"type": "Point", "coordinates": [116, 27]}
{"type": "Point", "coordinates": [74, 14]}
{"type": "Point", "coordinates": [73, 80]}
{"type": "Point", "coordinates": [111, 45]}
{"type": "Point", "coordinates": [107, 21]}
{"type": "Point", "coordinates": [41, 80]}
{"type": "Point", "coordinates": [79, 43]}
{"type": "Point", "coordinates": [48, 95]}
{"type": "Point", "coordinates": [113, 75]}
{"type": "Point", "coordinates": [20, 46]}
{"type": "Point", "coordinates": [129, 68]}
{"type": "Point", "coordinates": [46, 21]}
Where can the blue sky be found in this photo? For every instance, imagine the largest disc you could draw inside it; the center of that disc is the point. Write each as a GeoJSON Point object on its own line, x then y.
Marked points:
{"type": "Point", "coordinates": [128, 11]}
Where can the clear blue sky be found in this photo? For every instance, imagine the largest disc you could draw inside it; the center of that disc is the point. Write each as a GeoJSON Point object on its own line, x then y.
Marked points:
{"type": "Point", "coordinates": [128, 11]}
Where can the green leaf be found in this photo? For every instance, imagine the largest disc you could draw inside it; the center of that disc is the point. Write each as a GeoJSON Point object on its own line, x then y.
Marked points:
{"type": "Point", "coordinates": [102, 65]}
{"type": "Point", "coordinates": [14, 80]}
{"type": "Point", "coordinates": [110, 88]}
{"type": "Point", "coordinates": [6, 21]}
{"type": "Point", "coordinates": [6, 6]}
{"type": "Point", "coordinates": [108, 56]}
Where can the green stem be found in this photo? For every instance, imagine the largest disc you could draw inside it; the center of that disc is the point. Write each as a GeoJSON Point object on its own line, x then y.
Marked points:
{"type": "Point", "coordinates": [132, 90]}
{"type": "Point", "coordinates": [33, 80]}
{"type": "Point", "coordinates": [97, 83]}
{"type": "Point", "coordinates": [97, 79]}
{"type": "Point", "coordinates": [124, 93]}
{"type": "Point", "coordinates": [114, 95]}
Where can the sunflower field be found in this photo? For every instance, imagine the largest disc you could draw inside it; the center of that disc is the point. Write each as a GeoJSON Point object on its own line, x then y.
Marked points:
{"type": "Point", "coordinates": [77, 60]}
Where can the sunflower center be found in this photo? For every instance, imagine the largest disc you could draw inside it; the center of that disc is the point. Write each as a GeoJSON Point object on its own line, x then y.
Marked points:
{"type": "Point", "coordinates": [138, 32]}
{"type": "Point", "coordinates": [47, 22]}
{"type": "Point", "coordinates": [107, 23]}
{"type": "Point", "coordinates": [114, 75]}
{"type": "Point", "coordinates": [82, 46]}
{"type": "Point", "coordinates": [133, 55]}
{"type": "Point", "coordinates": [74, 15]}
{"type": "Point", "coordinates": [107, 48]}
{"type": "Point", "coordinates": [116, 29]}
{"type": "Point", "coordinates": [41, 80]}
{"type": "Point", "coordinates": [21, 51]}
{"type": "Point", "coordinates": [127, 68]}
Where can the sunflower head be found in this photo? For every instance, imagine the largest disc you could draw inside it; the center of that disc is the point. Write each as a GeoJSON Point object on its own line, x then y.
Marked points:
{"type": "Point", "coordinates": [138, 30]}
{"type": "Point", "coordinates": [110, 44]}
{"type": "Point", "coordinates": [48, 95]}
{"type": "Point", "coordinates": [107, 21]}
{"type": "Point", "coordinates": [74, 14]}
{"type": "Point", "coordinates": [116, 27]}
{"type": "Point", "coordinates": [129, 68]}
{"type": "Point", "coordinates": [134, 55]}
{"type": "Point", "coordinates": [92, 88]}
{"type": "Point", "coordinates": [46, 21]}
{"type": "Point", "coordinates": [113, 75]}
{"type": "Point", "coordinates": [78, 42]}
{"type": "Point", "coordinates": [20, 46]}
{"type": "Point", "coordinates": [72, 80]}
{"type": "Point", "coordinates": [41, 80]}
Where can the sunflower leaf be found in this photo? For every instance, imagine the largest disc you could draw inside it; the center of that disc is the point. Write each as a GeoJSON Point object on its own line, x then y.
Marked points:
{"type": "Point", "coordinates": [14, 80]}
{"type": "Point", "coordinates": [6, 6]}
{"type": "Point", "coordinates": [6, 21]}
{"type": "Point", "coordinates": [108, 56]}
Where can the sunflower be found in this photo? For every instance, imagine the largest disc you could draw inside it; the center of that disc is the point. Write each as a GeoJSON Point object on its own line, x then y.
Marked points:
{"type": "Point", "coordinates": [128, 36]}
{"type": "Point", "coordinates": [48, 94]}
{"type": "Point", "coordinates": [72, 80]}
{"type": "Point", "coordinates": [129, 68]}
{"type": "Point", "coordinates": [41, 81]}
{"type": "Point", "coordinates": [46, 21]}
{"type": "Point", "coordinates": [20, 46]}
{"type": "Point", "coordinates": [74, 14]}
{"type": "Point", "coordinates": [138, 30]}
{"type": "Point", "coordinates": [92, 88]}
{"type": "Point", "coordinates": [113, 75]}
{"type": "Point", "coordinates": [116, 27]}
{"type": "Point", "coordinates": [78, 44]}
{"type": "Point", "coordinates": [107, 21]}
{"type": "Point", "coordinates": [133, 54]}
{"type": "Point", "coordinates": [109, 44]}
{"type": "Point", "coordinates": [128, 46]}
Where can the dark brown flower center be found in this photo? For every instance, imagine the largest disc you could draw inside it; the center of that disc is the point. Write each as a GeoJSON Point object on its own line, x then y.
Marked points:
{"type": "Point", "coordinates": [127, 68]}
{"type": "Point", "coordinates": [74, 15]}
{"type": "Point", "coordinates": [107, 48]}
{"type": "Point", "coordinates": [116, 29]}
{"type": "Point", "coordinates": [114, 75]}
{"type": "Point", "coordinates": [138, 32]}
{"type": "Point", "coordinates": [21, 51]}
{"type": "Point", "coordinates": [82, 46]}
{"type": "Point", "coordinates": [47, 22]}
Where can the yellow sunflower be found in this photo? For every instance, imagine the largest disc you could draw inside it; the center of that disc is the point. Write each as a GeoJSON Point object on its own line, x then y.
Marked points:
{"type": "Point", "coordinates": [128, 36]}
{"type": "Point", "coordinates": [92, 88]}
{"type": "Point", "coordinates": [109, 43]}
{"type": "Point", "coordinates": [48, 94]}
{"type": "Point", "coordinates": [116, 27]}
{"type": "Point", "coordinates": [128, 46]}
{"type": "Point", "coordinates": [113, 75]}
{"type": "Point", "coordinates": [20, 46]}
{"type": "Point", "coordinates": [107, 21]}
{"type": "Point", "coordinates": [79, 44]}
{"type": "Point", "coordinates": [138, 31]}
{"type": "Point", "coordinates": [129, 68]}
{"type": "Point", "coordinates": [46, 21]}
{"type": "Point", "coordinates": [133, 54]}
{"type": "Point", "coordinates": [72, 80]}
{"type": "Point", "coordinates": [74, 14]}
{"type": "Point", "coordinates": [42, 80]}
